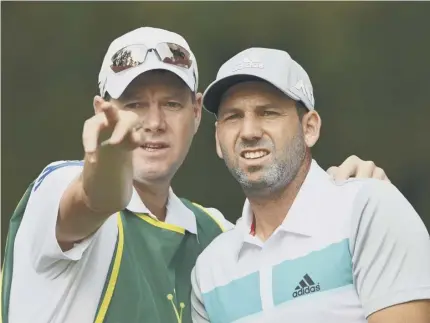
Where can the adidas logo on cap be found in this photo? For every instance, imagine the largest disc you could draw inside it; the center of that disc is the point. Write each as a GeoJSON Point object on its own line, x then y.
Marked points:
{"type": "Point", "coordinates": [248, 63]}
{"type": "Point", "coordinates": [306, 286]}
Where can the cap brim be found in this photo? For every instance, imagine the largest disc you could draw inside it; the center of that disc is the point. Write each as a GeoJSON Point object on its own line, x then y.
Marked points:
{"type": "Point", "coordinates": [213, 93]}
{"type": "Point", "coordinates": [117, 83]}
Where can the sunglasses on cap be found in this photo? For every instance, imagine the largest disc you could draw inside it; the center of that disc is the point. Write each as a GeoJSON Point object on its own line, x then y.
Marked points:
{"type": "Point", "coordinates": [135, 55]}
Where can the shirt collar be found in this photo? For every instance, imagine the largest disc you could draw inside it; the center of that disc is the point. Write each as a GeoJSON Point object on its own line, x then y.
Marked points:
{"type": "Point", "coordinates": [302, 218]}
{"type": "Point", "coordinates": [177, 213]}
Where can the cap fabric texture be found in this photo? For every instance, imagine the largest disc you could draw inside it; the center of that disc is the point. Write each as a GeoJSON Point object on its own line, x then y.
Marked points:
{"type": "Point", "coordinates": [271, 65]}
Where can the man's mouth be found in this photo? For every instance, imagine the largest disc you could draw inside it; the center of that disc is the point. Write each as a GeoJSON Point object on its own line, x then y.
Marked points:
{"type": "Point", "coordinates": [254, 154]}
{"type": "Point", "coordinates": [154, 146]}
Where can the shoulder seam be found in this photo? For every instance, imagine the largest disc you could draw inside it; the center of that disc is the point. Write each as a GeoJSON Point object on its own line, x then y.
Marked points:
{"type": "Point", "coordinates": [52, 167]}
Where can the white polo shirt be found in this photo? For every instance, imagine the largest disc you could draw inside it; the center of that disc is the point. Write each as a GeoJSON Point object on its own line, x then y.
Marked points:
{"type": "Point", "coordinates": [342, 252]}
{"type": "Point", "coordinates": [49, 285]}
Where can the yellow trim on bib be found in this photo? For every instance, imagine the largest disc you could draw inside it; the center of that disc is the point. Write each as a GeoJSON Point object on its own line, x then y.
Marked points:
{"type": "Point", "coordinates": [1, 280]}
{"type": "Point", "coordinates": [160, 224]}
{"type": "Point", "coordinates": [210, 215]}
{"type": "Point", "coordinates": [1, 295]}
{"type": "Point", "coordinates": [114, 275]}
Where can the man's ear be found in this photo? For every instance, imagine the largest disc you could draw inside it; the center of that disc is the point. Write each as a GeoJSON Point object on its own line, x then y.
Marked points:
{"type": "Point", "coordinates": [97, 103]}
{"type": "Point", "coordinates": [311, 123]}
{"type": "Point", "coordinates": [198, 111]}
{"type": "Point", "coordinates": [218, 148]}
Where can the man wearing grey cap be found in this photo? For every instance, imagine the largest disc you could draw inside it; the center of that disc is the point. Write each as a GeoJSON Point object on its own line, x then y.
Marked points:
{"type": "Point", "coordinates": [306, 249]}
{"type": "Point", "coordinates": [106, 239]}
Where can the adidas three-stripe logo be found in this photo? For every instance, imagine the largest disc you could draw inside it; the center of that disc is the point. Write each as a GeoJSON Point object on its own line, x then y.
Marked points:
{"type": "Point", "coordinates": [306, 286]}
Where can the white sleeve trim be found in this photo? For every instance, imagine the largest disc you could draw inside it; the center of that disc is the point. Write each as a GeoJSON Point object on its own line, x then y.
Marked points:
{"type": "Point", "coordinates": [77, 250]}
{"type": "Point", "coordinates": [396, 298]}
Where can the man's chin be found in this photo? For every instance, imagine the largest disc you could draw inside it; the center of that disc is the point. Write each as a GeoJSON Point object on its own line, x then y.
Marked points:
{"type": "Point", "coordinates": [152, 175]}
{"type": "Point", "coordinates": [257, 179]}
{"type": "Point", "coordinates": [254, 174]}
{"type": "Point", "coordinates": [252, 181]}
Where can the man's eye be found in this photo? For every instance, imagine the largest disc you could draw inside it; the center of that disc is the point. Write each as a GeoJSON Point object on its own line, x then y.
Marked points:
{"type": "Point", "coordinates": [268, 113]}
{"type": "Point", "coordinates": [231, 116]}
{"type": "Point", "coordinates": [173, 105]}
{"type": "Point", "coordinates": [134, 105]}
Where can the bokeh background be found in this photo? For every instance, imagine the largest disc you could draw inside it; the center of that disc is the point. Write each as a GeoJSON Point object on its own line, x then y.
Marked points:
{"type": "Point", "coordinates": [368, 61]}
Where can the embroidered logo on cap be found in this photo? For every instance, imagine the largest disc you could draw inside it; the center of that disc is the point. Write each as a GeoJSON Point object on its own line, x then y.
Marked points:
{"type": "Point", "coordinates": [248, 63]}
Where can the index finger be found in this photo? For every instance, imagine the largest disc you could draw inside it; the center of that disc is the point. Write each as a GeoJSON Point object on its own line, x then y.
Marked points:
{"type": "Point", "coordinates": [110, 112]}
{"type": "Point", "coordinates": [347, 169]}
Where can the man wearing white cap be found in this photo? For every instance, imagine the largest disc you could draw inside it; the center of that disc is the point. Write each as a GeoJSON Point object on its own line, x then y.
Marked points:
{"type": "Point", "coordinates": [106, 239]}
{"type": "Point", "coordinates": [306, 249]}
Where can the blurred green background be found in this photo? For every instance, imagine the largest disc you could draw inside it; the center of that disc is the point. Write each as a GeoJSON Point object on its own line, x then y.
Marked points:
{"type": "Point", "coordinates": [368, 61]}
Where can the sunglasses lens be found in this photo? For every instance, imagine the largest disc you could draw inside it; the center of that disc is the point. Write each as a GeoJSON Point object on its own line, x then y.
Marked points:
{"type": "Point", "coordinates": [128, 57]}
{"type": "Point", "coordinates": [174, 54]}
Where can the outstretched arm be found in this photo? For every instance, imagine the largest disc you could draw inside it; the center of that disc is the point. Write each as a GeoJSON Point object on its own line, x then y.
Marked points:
{"type": "Point", "coordinates": [105, 185]}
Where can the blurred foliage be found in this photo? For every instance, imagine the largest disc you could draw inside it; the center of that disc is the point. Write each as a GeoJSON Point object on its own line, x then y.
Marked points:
{"type": "Point", "coordinates": [368, 61]}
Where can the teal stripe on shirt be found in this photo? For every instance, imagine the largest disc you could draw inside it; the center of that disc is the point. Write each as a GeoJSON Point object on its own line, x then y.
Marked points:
{"type": "Point", "coordinates": [231, 302]}
{"type": "Point", "coordinates": [329, 268]}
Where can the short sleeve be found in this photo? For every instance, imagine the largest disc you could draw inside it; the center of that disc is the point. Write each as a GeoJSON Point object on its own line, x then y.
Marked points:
{"type": "Point", "coordinates": [38, 227]}
{"type": "Point", "coordinates": [390, 248]}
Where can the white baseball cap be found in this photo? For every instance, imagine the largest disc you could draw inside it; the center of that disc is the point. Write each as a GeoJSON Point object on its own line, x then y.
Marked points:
{"type": "Point", "coordinates": [116, 82]}
{"type": "Point", "coordinates": [271, 65]}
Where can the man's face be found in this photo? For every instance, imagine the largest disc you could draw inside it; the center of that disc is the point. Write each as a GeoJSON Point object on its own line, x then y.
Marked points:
{"type": "Point", "coordinates": [260, 137]}
{"type": "Point", "coordinates": [170, 116]}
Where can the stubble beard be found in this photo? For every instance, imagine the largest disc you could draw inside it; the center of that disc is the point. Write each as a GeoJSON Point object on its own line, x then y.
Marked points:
{"type": "Point", "coordinates": [276, 176]}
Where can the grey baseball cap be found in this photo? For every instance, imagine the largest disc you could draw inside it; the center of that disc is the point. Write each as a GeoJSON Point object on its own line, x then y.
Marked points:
{"type": "Point", "coordinates": [271, 65]}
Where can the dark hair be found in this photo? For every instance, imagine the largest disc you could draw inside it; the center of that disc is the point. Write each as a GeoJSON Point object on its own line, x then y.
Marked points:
{"type": "Point", "coordinates": [301, 109]}
{"type": "Point", "coordinates": [107, 97]}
